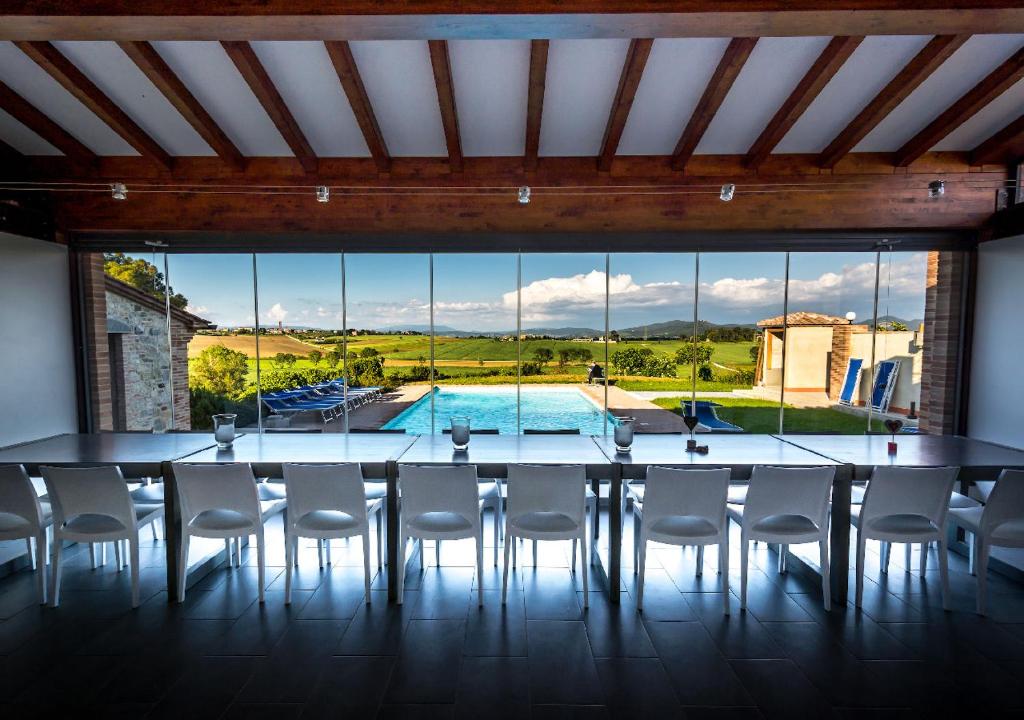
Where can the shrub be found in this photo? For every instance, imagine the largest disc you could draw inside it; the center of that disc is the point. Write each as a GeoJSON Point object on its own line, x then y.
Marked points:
{"type": "Point", "coordinates": [531, 368]}
{"type": "Point", "coordinates": [369, 352]}
{"type": "Point", "coordinates": [642, 361]}
{"type": "Point", "coordinates": [366, 371]}
{"type": "Point", "coordinates": [206, 404]}
{"type": "Point", "coordinates": [702, 351]}
{"type": "Point", "coordinates": [568, 355]}
{"type": "Point", "coordinates": [333, 358]}
{"type": "Point", "coordinates": [220, 370]}
{"type": "Point", "coordinates": [289, 379]}
{"type": "Point", "coordinates": [315, 356]}
{"type": "Point", "coordinates": [543, 355]}
{"type": "Point", "coordinates": [704, 373]}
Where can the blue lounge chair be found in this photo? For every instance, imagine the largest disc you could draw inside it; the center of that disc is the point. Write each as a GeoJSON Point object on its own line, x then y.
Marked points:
{"type": "Point", "coordinates": [706, 415]}
{"type": "Point", "coordinates": [851, 382]}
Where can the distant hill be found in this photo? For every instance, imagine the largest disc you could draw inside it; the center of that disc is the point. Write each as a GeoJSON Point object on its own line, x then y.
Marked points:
{"type": "Point", "coordinates": [673, 329]}
{"type": "Point", "coordinates": [883, 319]}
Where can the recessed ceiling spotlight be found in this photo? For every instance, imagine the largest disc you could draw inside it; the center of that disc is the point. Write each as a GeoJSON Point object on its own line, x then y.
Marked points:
{"type": "Point", "coordinates": [524, 195]}
{"type": "Point", "coordinates": [936, 188]}
{"type": "Point", "coordinates": [118, 191]}
{"type": "Point", "coordinates": [728, 190]}
{"type": "Point", "coordinates": [323, 193]}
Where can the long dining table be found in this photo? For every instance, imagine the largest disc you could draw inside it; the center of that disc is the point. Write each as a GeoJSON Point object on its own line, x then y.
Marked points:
{"type": "Point", "coordinates": [144, 454]}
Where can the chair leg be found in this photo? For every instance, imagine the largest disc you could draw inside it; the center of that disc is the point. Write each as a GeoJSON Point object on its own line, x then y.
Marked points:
{"type": "Point", "coordinates": [783, 551]}
{"type": "Point", "coordinates": [924, 558]}
{"type": "Point", "coordinates": [723, 569]}
{"type": "Point", "coordinates": [972, 553]}
{"type": "Point", "coordinates": [744, 557]}
{"type": "Point", "coordinates": [480, 567]}
{"type": "Point", "coordinates": [859, 594]}
{"type": "Point", "coordinates": [535, 553]}
{"type": "Point", "coordinates": [40, 565]}
{"type": "Point", "coordinates": [238, 551]}
{"type": "Point", "coordinates": [55, 569]}
{"type": "Point", "coordinates": [512, 541]}
{"type": "Point", "coordinates": [510, 545]}
{"type": "Point", "coordinates": [295, 551]}
{"type": "Point", "coordinates": [103, 554]}
{"type": "Point", "coordinates": [183, 566]}
{"type": "Point", "coordinates": [497, 521]}
{"type": "Point", "coordinates": [229, 550]}
{"type": "Point", "coordinates": [31, 555]}
{"type": "Point", "coordinates": [327, 549]}
{"type": "Point", "coordinates": [402, 541]}
{"type": "Point", "coordinates": [117, 555]}
{"type": "Point", "coordinates": [261, 561]}
{"type": "Point", "coordinates": [886, 552]}
{"type": "Point", "coordinates": [909, 549]}
{"type": "Point", "coordinates": [423, 558]}
{"type": "Point", "coordinates": [586, 572]}
{"type": "Point", "coordinates": [437, 553]}
{"type": "Point", "coordinates": [982, 550]}
{"type": "Point", "coordinates": [700, 560]}
{"type": "Point", "coordinates": [944, 571]}
{"type": "Point", "coordinates": [826, 582]}
{"type": "Point", "coordinates": [642, 562]}
{"type": "Point", "coordinates": [92, 555]}
{"type": "Point", "coordinates": [636, 540]}
{"type": "Point", "coordinates": [366, 563]}
{"type": "Point", "coordinates": [320, 552]}
{"type": "Point", "coordinates": [133, 552]}
{"type": "Point", "coordinates": [152, 528]}
{"type": "Point", "coordinates": [572, 565]}
{"type": "Point", "coordinates": [288, 569]}
{"type": "Point", "coordinates": [380, 535]}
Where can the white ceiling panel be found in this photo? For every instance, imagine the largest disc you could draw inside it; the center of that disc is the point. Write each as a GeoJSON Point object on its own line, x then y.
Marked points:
{"type": "Point", "coordinates": [962, 71]}
{"type": "Point", "coordinates": [23, 139]}
{"type": "Point", "coordinates": [675, 77]}
{"type": "Point", "coordinates": [209, 74]}
{"type": "Point", "coordinates": [774, 68]}
{"type": "Point", "coordinates": [120, 79]}
{"type": "Point", "coordinates": [46, 94]}
{"type": "Point", "coordinates": [987, 122]}
{"type": "Point", "coordinates": [302, 72]}
{"type": "Point", "coordinates": [582, 78]}
{"type": "Point", "coordinates": [399, 81]}
{"type": "Point", "coordinates": [868, 70]}
{"type": "Point", "coordinates": [492, 84]}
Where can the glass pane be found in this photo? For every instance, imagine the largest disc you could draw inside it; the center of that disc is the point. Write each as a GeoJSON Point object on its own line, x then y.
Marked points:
{"type": "Point", "coordinates": [899, 342]}
{"type": "Point", "coordinates": [475, 344]}
{"type": "Point", "coordinates": [651, 314]}
{"type": "Point", "coordinates": [300, 338]}
{"type": "Point", "coordinates": [831, 311]}
{"type": "Point", "coordinates": [221, 357]}
{"type": "Point", "coordinates": [388, 344]}
{"type": "Point", "coordinates": [563, 308]}
{"type": "Point", "coordinates": [740, 354]}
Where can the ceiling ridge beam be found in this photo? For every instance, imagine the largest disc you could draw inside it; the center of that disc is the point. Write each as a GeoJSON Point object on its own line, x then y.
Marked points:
{"type": "Point", "coordinates": [991, 87]}
{"type": "Point", "coordinates": [718, 87]}
{"type": "Point", "coordinates": [149, 62]}
{"type": "Point", "coordinates": [441, 63]}
{"type": "Point", "coordinates": [1005, 145]}
{"type": "Point", "coordinates": [535, 102]}
{"type": "Point", "coordinates": [38, 122]}
{"type": "Point", "coordinates": [915, 72]}
{"type": "Point", "coordinates": [256, 77]}
{"type": "Point", "coordinates": [65, 72]}
{"type": "Point", "coordinates": [821, 72]}
{"type": "Point", "coordinates": [344, 63]}
{"type": "Point", "coordinates": [629, 81]}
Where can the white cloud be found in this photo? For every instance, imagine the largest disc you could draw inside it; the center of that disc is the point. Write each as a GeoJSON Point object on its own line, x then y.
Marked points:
{"type": "Point", "coordinates": [197, 309]}
{"type": "Point", "coordinates": [277, 313]}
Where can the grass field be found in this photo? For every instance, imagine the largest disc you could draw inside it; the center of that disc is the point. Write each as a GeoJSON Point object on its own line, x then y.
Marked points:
{"type": "Point", "coordinates": [762, 416]}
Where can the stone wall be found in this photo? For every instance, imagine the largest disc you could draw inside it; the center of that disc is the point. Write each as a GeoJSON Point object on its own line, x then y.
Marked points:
{"type": "Point", "coordinates": [942, 328]}
{"type": "Point", "coordinates": [147, 395]}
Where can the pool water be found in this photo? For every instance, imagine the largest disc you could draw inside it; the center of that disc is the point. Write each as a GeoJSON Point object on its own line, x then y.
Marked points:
{"type": "Point", "coordinates": [542, 409]}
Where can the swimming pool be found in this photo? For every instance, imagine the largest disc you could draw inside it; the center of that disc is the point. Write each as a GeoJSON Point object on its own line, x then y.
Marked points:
{"type": "Point", "coordinates": [495, 407]}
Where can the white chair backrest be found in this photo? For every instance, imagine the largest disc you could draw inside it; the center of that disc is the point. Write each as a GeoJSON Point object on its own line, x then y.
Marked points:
{"type": "Point", "coordinates": [324, 487]}
{"type": "Point", "coordinates": [547, 488]}
{"type": "Point", "coordinates": [1006, 503]}
{"type": "Point", "coordinates": [216, 487]}
{"type": "Point", "coordinates": [909, 491]}
{"type": "Point", "coordinates": [789, 491]}
{"type": "Point", "coordinates": [697, 493]}
{"type": "Point", "coordinates": [443, 488]}
{"type": "Point", "coordinates": [88, 491]}
{"type": "Point", "coordinates": [18, 495]}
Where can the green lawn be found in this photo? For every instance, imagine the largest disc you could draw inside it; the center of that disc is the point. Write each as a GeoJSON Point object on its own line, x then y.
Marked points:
{"type": "Point", "coordinates": [762, 416]}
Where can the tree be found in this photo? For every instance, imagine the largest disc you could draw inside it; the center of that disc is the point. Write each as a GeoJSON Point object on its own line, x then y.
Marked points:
{"type": "Point", "coordinates": [369, 352]}
{"type": "Point", "coordinates": [220, 370]}
{"type": "Point", "coordinates": [643, 361]}
{"type": "Point", "coordinates": [568, 355]}
{"type": "Point", "coordinates": [315, 356]}
{"type": "Point", "coordinates": [699, 352]}
{"type": "Point", "coordinates": [893, 326]}
{"type": "Point", "coordinates": [284, 360]}
{"type": "Point", "coordinates": [333, 358]}
{"type": "Point", "coordinates": [142, 275]}
{"type": "Point", "coordinates": [543, 355]}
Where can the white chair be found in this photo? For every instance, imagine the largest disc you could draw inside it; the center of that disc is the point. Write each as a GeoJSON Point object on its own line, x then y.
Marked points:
{"type": "Point", "coordinates": [220, 502]}
{"type": "Point", "coordinates": [590, 504]}
{"type": "Point", "coordinates": [325, 502]}
{"type": "Point", "coordinates": [1000, 523]}
{"type": "Point", "coordinates": [788, 506]}
{"type": "Point", "coordinates": [684, 507]}
{"type": "Point", "coordinates": [93, 505]}
{"type": "Point", "coordinates": [905, 505]}
{"type": "Point", "coordinates": [23, 516]}
{"type": "Point", "coordinates": [439, 503]}
{"type": "Point", "coordinates": [546, 503]}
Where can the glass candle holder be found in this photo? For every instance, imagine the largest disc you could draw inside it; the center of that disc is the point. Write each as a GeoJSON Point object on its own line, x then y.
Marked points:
{"type": "Point", "coordinates": [623, 434]}
{"type": "Point", "coordinates": [224, 430]}
{"type": "Point", "coordinates": [460, 433]}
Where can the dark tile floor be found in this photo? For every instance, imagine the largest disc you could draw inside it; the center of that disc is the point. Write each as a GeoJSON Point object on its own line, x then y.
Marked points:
{"type": "Point", "coordinates": [222, 655]}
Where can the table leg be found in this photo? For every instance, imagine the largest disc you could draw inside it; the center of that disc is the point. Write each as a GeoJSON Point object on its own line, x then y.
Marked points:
{"type": "Point", "coordinates": [615, 533]}
{"type": "Point", "coordinates": [839, 558]}
{"type": "Point", "coordinates": [172, 530]}
{"type": "Point", "coordinates": [391, 470]}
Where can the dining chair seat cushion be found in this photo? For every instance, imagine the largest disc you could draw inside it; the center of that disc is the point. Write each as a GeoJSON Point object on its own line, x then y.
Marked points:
{"type": "Point", "coordinates": [91, 523]}
{"type": "Point", "coordinates": [375, 490]}
{"type": "Point", "coordinates": [221, 520]}
{"type": "Point", "coordinates": [11, 523]}
{"type": "Point", "coordinates": [684, 526]}
{"type": "Point", "coordinates": [785, 525]}
{"type": "Point", "coordinates": [152, 494]}
{"type": "Point", "coordinates": [1011, 532]}
{"type": "Point", "coordinates": [439, 522]}
{"type": "Point", "coordinates": [326, 520]}
{"type": "Point", "coordinates": [544, 522]}
{"type": "Point", "coordinates": [902, 524]}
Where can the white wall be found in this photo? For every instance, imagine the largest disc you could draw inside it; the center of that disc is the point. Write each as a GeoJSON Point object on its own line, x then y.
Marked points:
{"type": "Point", "coordinates": [997, 371]}
{"type": "Point", "coordinates": [37, 368]}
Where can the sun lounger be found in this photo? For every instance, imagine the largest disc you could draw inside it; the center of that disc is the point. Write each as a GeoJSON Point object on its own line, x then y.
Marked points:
{"type": "Point", "coordinates": [706, 416]}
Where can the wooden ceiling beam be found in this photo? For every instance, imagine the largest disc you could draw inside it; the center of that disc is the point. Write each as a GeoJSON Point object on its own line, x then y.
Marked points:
{"type": "Point", "coordinates": [832, 58]}
{"type": "Point", "coordinates": [535, 101]}
{"type": "Point", "coordinates": [50, 59]}
{"type": "Point", "coordinates": [146, 58]}
{"type": "Point", "coordinates": [352, 83]}
{"type": "Point", "coordinates": [446, 101]}
{"type": "Point", "coordinates": [28, 115]}
{"type": "Point", "coordinates": [256, 77]}
{"type": "Point", "coordinates": [718, 87]}
{"type": "Point", "coordinates": [991, 87]}
{"type": "Point", "coordinates": [1007, 145]}
{"type": "Point", "coordinates": [915, 72]}
{"type": "Point", "coordinates": [629, 81]}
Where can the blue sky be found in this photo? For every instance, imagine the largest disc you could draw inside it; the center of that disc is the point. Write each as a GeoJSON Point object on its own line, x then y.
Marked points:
{"type": "Point", "coordinates": [477, 292]}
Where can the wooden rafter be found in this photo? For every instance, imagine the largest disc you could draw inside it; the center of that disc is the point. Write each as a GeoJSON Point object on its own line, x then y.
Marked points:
{"type": "Point", "coordinates": [85, 91]}
{"type": "Point", "coordinates": [24, 112]}
{"type": "Point", "coordinates": [991, 87]}
{"type": "Point", "coordinates": [351, 82]}
{"type": "Point", "coordinates": [721, 81]}
{"type": "Point", "coordinates": [832, 58]}
{"type": "Point", "coordinates": [629, 81]}
{"type": "Point", "coordinates": [1007, 145]}
{"type": "Point", "coordinates": [167, 82]}
{"type": "Point", "coordinates": [915, 72]}
{"type": "Point", "coordinates": [254, 74]}
{"type": "Point", "coordinates": [535, 101]}
{"type": "Point", "coordinates": [446, 101]}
